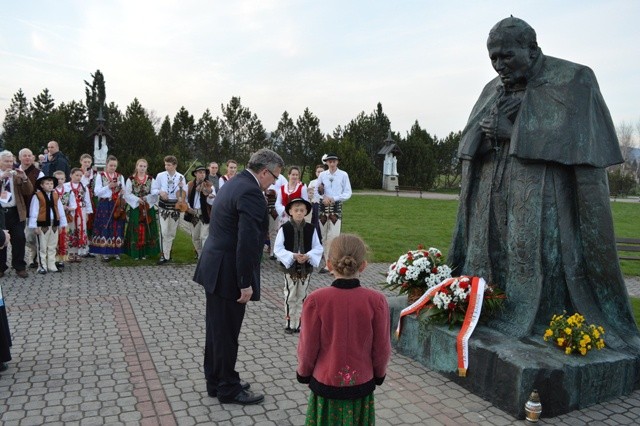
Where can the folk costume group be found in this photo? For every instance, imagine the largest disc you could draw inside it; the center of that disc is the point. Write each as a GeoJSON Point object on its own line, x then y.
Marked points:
{"type": "Point", "coordinates": [105, 214]}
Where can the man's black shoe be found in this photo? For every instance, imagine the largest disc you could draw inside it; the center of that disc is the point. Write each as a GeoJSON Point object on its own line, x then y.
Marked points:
{"type": "Point", "coordinates": [33, 265]}
{"type": "Point", "coordinates": [323, 271]}
{"type": "Point", "coordinates": [163, 261]}
{"type": "Point", "coordinates": [89, 255]}
{"type": "Point", "coordinates": [245, 397]}
{"type": "Point", "coordinates": [245, 386]}
{"type": "Point", "coordinates": [4, 366]}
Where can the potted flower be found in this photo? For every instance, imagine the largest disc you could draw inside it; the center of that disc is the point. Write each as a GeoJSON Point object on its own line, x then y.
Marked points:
{"type": "Point", "coordinates": [416, 271]}
{"type": "Point", "coordinates": [573, 335]}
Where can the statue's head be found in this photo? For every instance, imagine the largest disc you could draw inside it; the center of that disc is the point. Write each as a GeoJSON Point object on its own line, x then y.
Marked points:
{"type": "Point", "coordinates": [513, 49]}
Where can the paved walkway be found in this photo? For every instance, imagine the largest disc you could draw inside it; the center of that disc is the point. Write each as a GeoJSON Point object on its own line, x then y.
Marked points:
{"type": "Point", "coordinates": [127, 349]}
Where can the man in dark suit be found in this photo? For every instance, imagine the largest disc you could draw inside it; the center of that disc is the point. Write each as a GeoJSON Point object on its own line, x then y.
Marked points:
{"type": "Point", "coordinates": [229, 271]}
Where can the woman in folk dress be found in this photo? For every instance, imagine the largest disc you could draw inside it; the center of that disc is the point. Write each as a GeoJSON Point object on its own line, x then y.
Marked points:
{"type": "Point", "coordinates": [141, 236]}
{"type": "Point", "coordinates": [107, 238]}
{"type": "Point", "coordinates": [292, 190]}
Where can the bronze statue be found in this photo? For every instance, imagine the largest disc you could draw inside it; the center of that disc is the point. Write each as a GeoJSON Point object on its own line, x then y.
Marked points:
{"type": "Point", "coordinates": [534, 215]}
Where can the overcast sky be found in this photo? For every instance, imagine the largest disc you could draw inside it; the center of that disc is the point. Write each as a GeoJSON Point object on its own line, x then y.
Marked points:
{"type": "Point", "coordinates": [423, 60]}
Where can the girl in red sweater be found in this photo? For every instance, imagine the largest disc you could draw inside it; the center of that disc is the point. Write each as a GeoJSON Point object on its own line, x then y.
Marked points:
{"type": "Point", "coordinates": [345, 341]}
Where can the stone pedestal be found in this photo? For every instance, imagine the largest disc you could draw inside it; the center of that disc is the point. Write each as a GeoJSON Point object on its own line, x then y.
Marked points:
{"type": "Point", "coordinates": [389, 182]}
{"type": "Point", "coordinates": [504, 371]}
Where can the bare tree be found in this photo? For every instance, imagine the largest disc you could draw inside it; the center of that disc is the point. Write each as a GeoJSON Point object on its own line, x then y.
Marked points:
{"type": "Point", "coordinates": [625, 132]}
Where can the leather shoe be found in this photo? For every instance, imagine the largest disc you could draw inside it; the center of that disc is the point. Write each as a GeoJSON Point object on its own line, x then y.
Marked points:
{"type": "Point", "coordinates": [1, 274]}
{"type": "Point", "coordinates": [22, 274]}
{"type": "Point", "coordinates": [323, 271]}
{"type": "Point", "coordinates": [4, 366]}
{"type": "Point", "coordinates": [245, 397]}
{"type": "Point", "coordinates": [214, 393]}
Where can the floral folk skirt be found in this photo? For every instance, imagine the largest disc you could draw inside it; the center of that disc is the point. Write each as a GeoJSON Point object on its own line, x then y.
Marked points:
{"type": "Point", "coordinates": [141, 239]}
{"type": "Point", "coordinates": [325, 411]}
{"type": "Point", "coordinates": [108, 233]}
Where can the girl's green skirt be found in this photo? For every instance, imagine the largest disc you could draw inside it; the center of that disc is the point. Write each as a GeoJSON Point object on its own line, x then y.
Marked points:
{"type": "Point", "coordinates": [324, 411]}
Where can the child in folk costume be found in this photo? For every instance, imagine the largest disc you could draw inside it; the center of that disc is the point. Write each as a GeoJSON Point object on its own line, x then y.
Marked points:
{"type": "Point", "coordinates": [345, 343]}
{"type": "Point", "coordinates": [61, 251]}
{"type": "Point", "coordinates": [88, 180]}
{"type": "Point", "coordinates": [298, 248]}
{"type": "Point", "coordinates": [141, 237]}
{"type": "Point", "coordinates": [107, 238]}
{"type": "Point", "coordinates": [292, 189]}
{"type": "Point", "coordinates": [77, 237]}
{"type": "Point", "coordinates": [200, 195]}
{"type": "Point", "coordinates": [47, 217]}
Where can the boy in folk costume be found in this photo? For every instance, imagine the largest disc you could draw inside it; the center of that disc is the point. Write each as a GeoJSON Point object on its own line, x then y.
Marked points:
{"type": "Point", "coordinates": [200, 195]}
{"type": "Point", "coordinates": [298, 248]}
{"type": "Point", "coordinates": [78, 239]}
{"type": "Point", "coordinates": [61, 252]}
{"type": "Point", "coordinates": [46, 217]}
{"type": "Point", "coordinates": [169, 185]}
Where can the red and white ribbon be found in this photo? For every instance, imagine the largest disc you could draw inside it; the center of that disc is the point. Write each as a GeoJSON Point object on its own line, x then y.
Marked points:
{"type": "Point", "coordinates": [472, 315]}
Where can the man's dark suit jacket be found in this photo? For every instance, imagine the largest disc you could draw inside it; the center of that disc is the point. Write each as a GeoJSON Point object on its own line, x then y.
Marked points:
{"type": "Point", "coordinates": [230, 259]}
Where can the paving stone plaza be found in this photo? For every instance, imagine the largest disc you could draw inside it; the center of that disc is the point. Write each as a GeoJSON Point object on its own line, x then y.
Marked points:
{"type": "Point", "coordinates": [99, 344]}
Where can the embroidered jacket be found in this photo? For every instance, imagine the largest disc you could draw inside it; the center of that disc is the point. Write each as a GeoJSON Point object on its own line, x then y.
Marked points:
{"type": "Point", "coordinates": [345, 341]}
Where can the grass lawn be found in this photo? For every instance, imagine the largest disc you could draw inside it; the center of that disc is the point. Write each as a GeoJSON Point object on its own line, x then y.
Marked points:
{"type": "Point", "coordinates": [182, 253]}
{"type": "Point", "coordinates": [393, 225]}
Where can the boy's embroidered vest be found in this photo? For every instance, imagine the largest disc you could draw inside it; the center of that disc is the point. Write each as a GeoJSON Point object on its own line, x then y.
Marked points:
{"type": "Point", "coordinates": [298, 270]}
{"type": "Point", "coordinates": [47, 205]}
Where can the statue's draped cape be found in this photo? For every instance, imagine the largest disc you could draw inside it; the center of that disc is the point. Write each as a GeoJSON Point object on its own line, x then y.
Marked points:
{"type": "Point", "coordinates": [535, 218]}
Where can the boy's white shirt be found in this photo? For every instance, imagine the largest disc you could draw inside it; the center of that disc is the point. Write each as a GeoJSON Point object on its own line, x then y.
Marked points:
{"type": "Point", "coordinates": [286, 257]}
{"type": "Point", "coordinates": [34, 209]}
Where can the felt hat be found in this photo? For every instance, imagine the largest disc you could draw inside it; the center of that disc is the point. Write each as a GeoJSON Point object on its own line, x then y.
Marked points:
{"type": "Point", "coordinates": [331, 156]}
{"type": "Point", "coordinates": [200, 169]}
{"type": "Point", "coordinates": [43, 178]}
{"type": "Point", "coordinates": [298, 200]}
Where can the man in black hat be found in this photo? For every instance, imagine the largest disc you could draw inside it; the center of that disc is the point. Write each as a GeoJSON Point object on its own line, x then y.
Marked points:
{"type": "Point", "coordinates": [334, 188]}
{"type": "Point", "coordinates": [200, 195]}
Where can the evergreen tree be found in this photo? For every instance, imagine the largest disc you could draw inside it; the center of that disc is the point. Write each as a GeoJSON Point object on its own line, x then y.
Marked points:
{"type": "Point", "coordinates": [417, 164]}
{"type": "Point", "coordinates": [16, 124]}
{"type": "Point", "coordinates": [235, 129]}
{"type": "Point", "coordinates": [137, 140]}
{"type": "Point", "coordinates": [67, 123]}
{"type": "Point", "coordinates": [183, 132]}
{"type": "Point", "coordinates": [256, 138]}
{"type": "Point", "coordinates": [42, 129]}
{"type": "Point", "coordinates": [207, 140]}
{"type": "Point", "coordinates": [164, 137]}
{"type": "Point", "coordinates": [354, 160]}
{"type": "Point", "coordinates": [448, 166]}
{"type": "Point", "coordinates": [285, 139]}
{"type": "Point", "coordinates": [310, 138]}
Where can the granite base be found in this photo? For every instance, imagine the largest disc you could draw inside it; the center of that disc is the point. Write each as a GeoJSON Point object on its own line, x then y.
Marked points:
{"type": "Point", "coordinates": [504, 371]}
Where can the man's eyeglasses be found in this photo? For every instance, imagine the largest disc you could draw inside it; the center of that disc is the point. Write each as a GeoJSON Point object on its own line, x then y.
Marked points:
{"type": "Point", "coordinates": [275, 178]}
